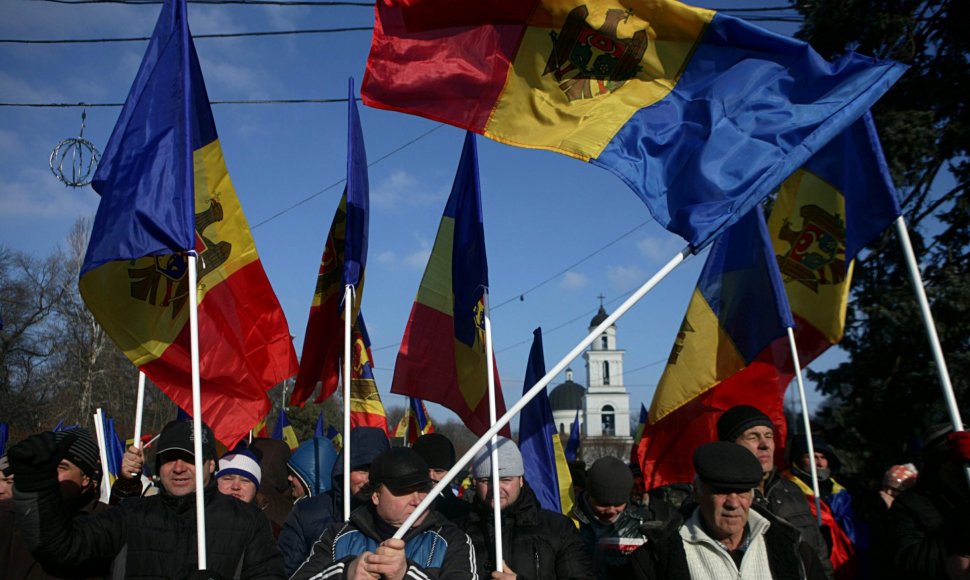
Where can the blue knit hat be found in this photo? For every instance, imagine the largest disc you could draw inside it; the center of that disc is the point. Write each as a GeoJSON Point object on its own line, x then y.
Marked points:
{"type": "Point", "coordinates": [242, 462]}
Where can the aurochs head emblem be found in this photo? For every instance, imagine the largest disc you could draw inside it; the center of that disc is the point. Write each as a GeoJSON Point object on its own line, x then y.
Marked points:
{"type": "Point", "coordinates": [588, 62]}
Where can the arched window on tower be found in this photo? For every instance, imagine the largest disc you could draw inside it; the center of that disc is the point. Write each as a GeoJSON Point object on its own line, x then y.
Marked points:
{"type": "Point", "coordinates": [605, 342]}
{"type": "Point", "coordinates": [606, 372]}
{"type": "Point", "coordinates": [609, 421]}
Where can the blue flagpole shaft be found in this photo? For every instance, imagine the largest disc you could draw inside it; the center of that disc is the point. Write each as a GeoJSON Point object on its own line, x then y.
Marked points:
{"type": "Point", "coordinates": [492, 416]}
{"type": "Point", "coordinates": [197, 409]}
{"type": "Point", "coordinates": [806, 423]}
{"type": "Point", "coordinates": [348, 307]}
{"type": "Point", "coordinates": [539, 386]}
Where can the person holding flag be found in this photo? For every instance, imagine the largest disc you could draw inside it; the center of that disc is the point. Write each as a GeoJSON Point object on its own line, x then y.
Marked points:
{"type": "Point", "coordinates": [537, 543]}
{"type": "Point", "coordinates": [142, 537]}
{"type": "Point", "coordinates": [78, 479]}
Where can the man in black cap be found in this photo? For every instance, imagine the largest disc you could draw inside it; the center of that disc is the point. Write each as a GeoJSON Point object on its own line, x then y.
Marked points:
{"type": "Point", "coordinates": [78, 477]}
{"type": "Point", "coordinates": [363, 547]}
{"type": "Point", "coordinates": [752, 429]}
{"type": "Point", "coordinates": [610, 526]}
{"type": "Point", "coordinates": [725, 536]}
{"type": "Point", "coordinates": [438, 452]}
{"type": "Point", "coordinates": [144, 537]}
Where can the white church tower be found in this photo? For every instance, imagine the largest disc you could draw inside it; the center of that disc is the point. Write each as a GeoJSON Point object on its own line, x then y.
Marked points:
{"type": "Point", "coordinates": [607, 403]}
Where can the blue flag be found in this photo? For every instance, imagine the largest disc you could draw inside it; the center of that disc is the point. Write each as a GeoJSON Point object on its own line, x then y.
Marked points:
{"type": "Point", "coordinates": [536, 430]}
{"type": "Point", "coordinates": [318, 432]}
{"type": "Point", "coordinates": [114, 448]}
{"type": "Point", "coordinates": [572, 445]}
{"type": "Point", "coordinates": [358, 200]}
{"type": "Point", "coordinates": [4, 433]}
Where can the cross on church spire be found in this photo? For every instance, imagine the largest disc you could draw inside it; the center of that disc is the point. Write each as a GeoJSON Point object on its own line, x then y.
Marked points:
{"type": "Point", "coordinates": [601, 297]}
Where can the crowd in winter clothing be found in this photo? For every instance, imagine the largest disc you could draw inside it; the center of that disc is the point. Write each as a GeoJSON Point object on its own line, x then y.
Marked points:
{"type": "Point", "coordinates": [275, 513]}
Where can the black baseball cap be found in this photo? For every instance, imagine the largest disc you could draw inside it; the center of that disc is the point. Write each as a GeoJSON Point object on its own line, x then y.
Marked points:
{"type": "Point", "coordinates": [400, 469]}
{"type": "Point", "coordinates": [178, 436]}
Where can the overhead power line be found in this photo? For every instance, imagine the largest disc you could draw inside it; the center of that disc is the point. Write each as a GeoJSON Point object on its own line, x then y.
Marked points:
{"type": "Point", "coordinates": [243, 2]}
{"type": "Point", "coordinates": [226, 102]}
{"type": "Point", "coordinates": [194, 36]}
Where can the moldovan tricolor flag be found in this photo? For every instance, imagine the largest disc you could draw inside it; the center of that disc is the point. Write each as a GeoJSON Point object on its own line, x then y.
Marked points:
{"type": "Point", "coordinates": [165, 191]}
{"type": "Point", "coordinates": [415, 422]}
{"type": "Point", "coordinates": [442, 356]}
{"type": "Point", "coordinates": [546, 469]}
{"type": "Point", "coordinates": [344, 258]}
{"type": "Point", "coordinates": [366, 408]}
{"type": "Point", "coordinates": [736, 312]}
{"type": "Point", "coordinates": [824, 215]}
{"type": "Point", "coordinates": [700, 113]}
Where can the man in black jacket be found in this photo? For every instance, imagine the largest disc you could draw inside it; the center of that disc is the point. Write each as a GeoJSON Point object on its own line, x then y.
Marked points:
{"type": "Point", "coordinates": [438, 452]}
{"type": "Point", "coordinates": [610, 525]}
{"type": "Point", "coordinates": [363, 547]}
{"type": "Point", "coordinates": [151, 537]}
{"type": "Point", "coordinates": [536, 543]}
{"type": "Point", "coordinates": [752, 429]}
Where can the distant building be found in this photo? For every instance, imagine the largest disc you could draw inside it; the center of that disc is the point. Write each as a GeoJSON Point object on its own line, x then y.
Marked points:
{"type": "Point", "coordinates": [604, 404]}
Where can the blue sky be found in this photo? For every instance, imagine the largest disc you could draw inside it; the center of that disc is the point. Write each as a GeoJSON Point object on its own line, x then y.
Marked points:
{"type": "Point", "coordinates": [544, 213]}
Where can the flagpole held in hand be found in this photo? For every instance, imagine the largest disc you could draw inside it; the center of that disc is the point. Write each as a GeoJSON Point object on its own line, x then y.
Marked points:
{"type": "Point", "coordinates": [537, 388]}
{"type": "Point", "coordinates": [496, 500]}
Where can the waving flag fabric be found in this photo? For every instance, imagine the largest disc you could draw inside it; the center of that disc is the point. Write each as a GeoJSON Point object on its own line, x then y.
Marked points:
{"type": "Point", "coordinates": [572, 445]}
{"type": "Point", "coordinates": [442, 356]}
{"type": "Point", "coordinates": [415, 422]}
{"type": "Point", "coordinates": [344, 257]}
{"type": "Point", "coordinates": [4, 434]}
{"type": "Point", "coordinates": [319, 430]}
{"type": "Point", "coordinates": [335, 437]}
{"type": "Point", "coordinates": [546, 470]}
{"type": "Point", "coordinates": [114, 448]}
{"type": "Point", "coordinates": [283, 431]}
{"type": "Point", "coordinates": [735, 315]}
{"type": "Point", "coordinates": [165, 191]}
{"type": "Point", "coordinates": [700, 113]}
{"type": "Point", "coordinates": [366, 408]}
{"type": "Point", "coordinates": [641, 425]}
{"type": "Point", "coordinates": [824, 215]}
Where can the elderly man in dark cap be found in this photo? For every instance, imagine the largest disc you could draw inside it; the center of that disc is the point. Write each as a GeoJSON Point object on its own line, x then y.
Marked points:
{"type": "Point", "coordinates": [150, 537]}
{"type": "Point", "coordinates": [363, 547]}
{"type": "Point", "coordinates": [726, 536]}
{"type": "Point", "coordinates": [610, 526]}
{"type": "Point", "coordinates": [754, 430]}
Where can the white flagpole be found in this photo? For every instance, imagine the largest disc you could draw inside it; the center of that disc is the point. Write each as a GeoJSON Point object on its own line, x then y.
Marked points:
{"type": "Point", "coordinates": [102, 450]}
{"type": "Point", "coordinates": [924, 304]}
{"type": "Point", "coordinates": [348, 303]}
{"type": "Point", "coordinates": [537, 388]}
{"type": "Point", "coordinates": [492, 416]}
{"type": "Point", "coordinates": [139, 410]}
{"type": "Point", "coordinates": [806, 423]}
{"type": "Point", "coordinates": [197, 410]}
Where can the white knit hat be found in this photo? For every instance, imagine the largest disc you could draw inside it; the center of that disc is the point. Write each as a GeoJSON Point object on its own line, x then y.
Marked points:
{"type": "Point", "coordinates": [242, 463]}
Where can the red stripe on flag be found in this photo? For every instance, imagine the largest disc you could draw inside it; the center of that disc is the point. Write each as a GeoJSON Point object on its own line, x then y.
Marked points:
{"type": "Point", "coordinates": [244, 350]}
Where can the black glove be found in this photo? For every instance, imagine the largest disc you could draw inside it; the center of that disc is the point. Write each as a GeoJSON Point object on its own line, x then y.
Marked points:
{"type": "Point", "coordinates": [34, 460]}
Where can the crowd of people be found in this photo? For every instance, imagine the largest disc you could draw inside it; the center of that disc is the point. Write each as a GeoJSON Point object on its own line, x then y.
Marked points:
{"type": "Point", "coordinates": [270, 513]}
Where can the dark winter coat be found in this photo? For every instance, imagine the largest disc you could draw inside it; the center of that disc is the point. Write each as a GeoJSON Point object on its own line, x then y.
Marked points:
{"type": "Point", "coordinates": [927, 524]}
{"type": "Point", "coordinates": [663, 555]}
{"type": "Point", "coordinates": [610, 545]}
{"type": "Point", "coordinates": [152, 537]}
{"type": "Point", "coordinates": [311, 516]}
{"type": "Point", "coordinates": [16, 561]}
{"type": "Point", "coordinates": [786, 501]}
{"type": "Point", "coordinates": [435, 548]}
{"type": "Point", "coordinates": [537, 544]}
